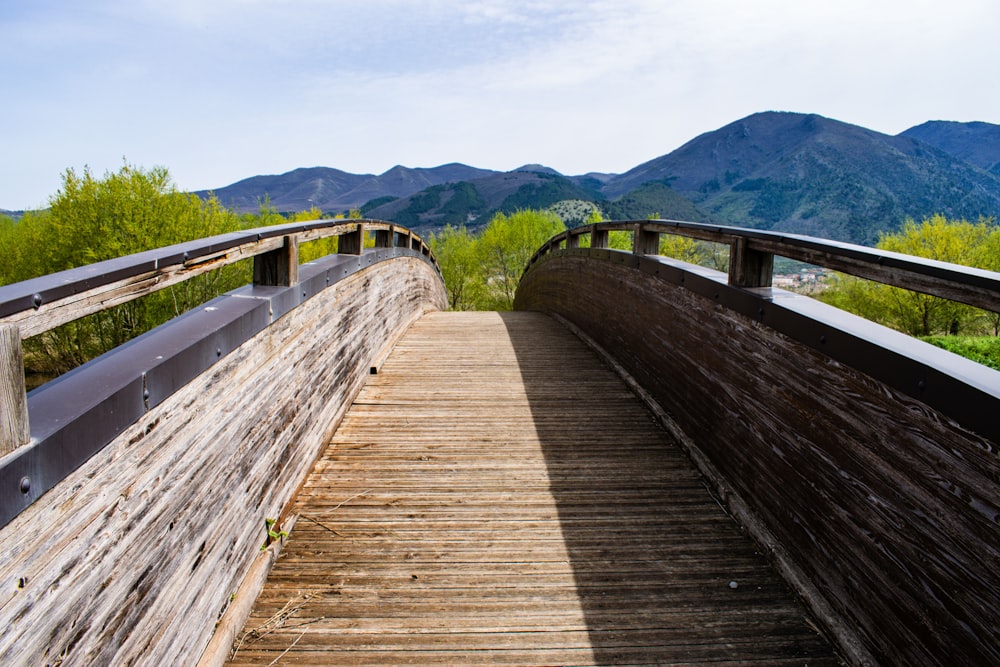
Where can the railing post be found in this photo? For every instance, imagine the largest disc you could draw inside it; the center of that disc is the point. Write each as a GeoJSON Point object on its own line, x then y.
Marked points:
{"type": "Point", "coordinates": [384, 237]}
{"type": "Point", "coordinates": [645, 242]}
{"type": "Point", "coordinates": [278, 267]}
{"type": "Point", "coordinates": [14, 430]}
{"type": "Point", "coordinates": [599, 238]}
{"type": "Point", "coordinates": [352, 243]}
{"type": "Point", "coordinates": [749, 268]}
{"type": "Point", "coordinates": [572, 241]}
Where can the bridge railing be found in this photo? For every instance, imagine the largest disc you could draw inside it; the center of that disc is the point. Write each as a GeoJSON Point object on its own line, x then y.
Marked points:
{"type": "Point", "coordinates": [43, 303]}
{"type": "Point", "coordinates": [34, 306]}
{"type": "Point", "coordinates": [752, 252]}
{"type": "Point", "coordinates": [863, 461]}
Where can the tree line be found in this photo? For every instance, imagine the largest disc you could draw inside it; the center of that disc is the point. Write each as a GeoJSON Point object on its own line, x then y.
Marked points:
{"type": "Point", "coordinates": [91, 219]}
{"type": "Point", "coordinates": [965, 330]}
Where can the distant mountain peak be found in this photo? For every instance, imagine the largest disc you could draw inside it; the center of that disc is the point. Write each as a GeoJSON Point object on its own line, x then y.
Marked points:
{"type": "Point", "coordinates": [333, 190]}
{"type": "Point", "coordinates": [782, 170]}
{"type": "Point", "coordinates": [538, 169]}
{"type": "Point", "coordinates": [975, 142]}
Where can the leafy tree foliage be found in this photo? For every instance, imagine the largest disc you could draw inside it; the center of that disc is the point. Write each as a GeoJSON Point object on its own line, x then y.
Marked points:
{"type": "Point", "coordinates": [481, 273]}
{"type": "Point", "coordinates": [92, 219]}
{"type": "Point", "coordinates": [458, 256]}
{"type": "Point", "coordinates": [956, 241]}
{"type": "Point", "coordinates": [505, 247]}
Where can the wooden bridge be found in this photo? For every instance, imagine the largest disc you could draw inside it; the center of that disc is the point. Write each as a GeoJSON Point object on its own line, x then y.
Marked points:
{"type": "Point", "coordinates": [647, 463]}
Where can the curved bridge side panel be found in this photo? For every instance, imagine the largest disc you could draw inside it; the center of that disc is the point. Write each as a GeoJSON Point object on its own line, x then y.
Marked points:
{"type": "Point", "coordinates": [886, 506]}
{"type": "Point", "coordinates": [133, 557]}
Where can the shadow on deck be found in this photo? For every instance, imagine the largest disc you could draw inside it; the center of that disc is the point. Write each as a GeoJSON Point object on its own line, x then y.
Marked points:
{"type": "Point", "coordinates": [496, 495]}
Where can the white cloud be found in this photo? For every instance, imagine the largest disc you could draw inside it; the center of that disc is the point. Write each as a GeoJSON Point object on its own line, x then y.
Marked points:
{"type": "Point", "coordinates": [221, 90]}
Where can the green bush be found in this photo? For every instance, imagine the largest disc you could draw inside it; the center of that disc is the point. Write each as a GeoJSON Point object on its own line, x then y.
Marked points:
{"type": "Point", "coordinates": [982, 349]}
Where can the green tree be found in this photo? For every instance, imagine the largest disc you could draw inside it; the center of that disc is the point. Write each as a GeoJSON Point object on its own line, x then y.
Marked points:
{"type": "Point", "coordinates": [955, 241]}
{"type": "Point", "coordinates": [680, 247]}
{"type": "Point", "coordinates": [92, 219]}
{"type": "Point", "coordinates": [505, 247]}
{"type": "Point", "coordinates": [458, 256]}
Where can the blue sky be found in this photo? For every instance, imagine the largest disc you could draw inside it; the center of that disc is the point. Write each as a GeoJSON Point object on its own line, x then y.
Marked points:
{"type": "Point", "coordinates": [219, 90]}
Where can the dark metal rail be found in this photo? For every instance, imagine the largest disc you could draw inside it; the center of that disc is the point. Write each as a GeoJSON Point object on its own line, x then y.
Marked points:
{"type": "Point", "coordinates": [752, 258]}
{"type": "Point", "coordinates": [44, 303]}
{"type": "Point", "coordinates": [75, 415]}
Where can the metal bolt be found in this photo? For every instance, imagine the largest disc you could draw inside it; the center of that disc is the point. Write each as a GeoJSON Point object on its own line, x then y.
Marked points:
{"type": "Point", "coordinates": [25, 485]}
{"type": "Point", "coordinates": [37, 300]}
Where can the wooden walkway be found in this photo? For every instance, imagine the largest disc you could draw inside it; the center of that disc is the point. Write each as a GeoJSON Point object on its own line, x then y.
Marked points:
{"type": "Point", "coordinates": [497, 496]}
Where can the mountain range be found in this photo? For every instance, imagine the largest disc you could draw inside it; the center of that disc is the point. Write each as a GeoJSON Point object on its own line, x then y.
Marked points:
{"type": "Point", "coordinates": [799, 173]}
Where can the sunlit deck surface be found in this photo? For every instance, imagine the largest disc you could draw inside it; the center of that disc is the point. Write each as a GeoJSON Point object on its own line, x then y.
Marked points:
{"type": "Point", "coordinates": [496, 495]}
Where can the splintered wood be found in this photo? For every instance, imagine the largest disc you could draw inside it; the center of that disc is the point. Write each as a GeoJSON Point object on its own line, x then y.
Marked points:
{"type": "Point", "coordinates": [497, 496]}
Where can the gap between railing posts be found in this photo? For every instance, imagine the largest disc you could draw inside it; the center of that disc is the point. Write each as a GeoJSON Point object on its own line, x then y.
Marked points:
{"type": "Point", "coordinates": [14, 428]}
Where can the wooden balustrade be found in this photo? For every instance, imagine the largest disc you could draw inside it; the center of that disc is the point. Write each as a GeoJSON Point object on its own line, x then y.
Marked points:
{"type": "Point", "coordinates": [752, 255]}
{"type": "Point", "coordinates": [35, 306]}
{"type": "Point", "coordinates": [864, 461]}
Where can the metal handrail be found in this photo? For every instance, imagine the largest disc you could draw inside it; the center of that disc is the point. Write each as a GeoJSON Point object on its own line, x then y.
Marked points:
{"type": "Point", "coordinates": [40, 304]}
{"type": "Point", "coordinates": [752, 253]}
{"type": "Point", "coordinates": [34, 306]}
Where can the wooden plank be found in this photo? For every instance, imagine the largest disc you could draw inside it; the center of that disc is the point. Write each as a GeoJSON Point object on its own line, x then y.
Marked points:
{"type": "Point", "coordinates": [14, 430]}
{"type": "Point", "coordinates": [881, 507]}
{"type": "Point", "coordinates": [278, 267]}
{"type": "Point", "coordinates": [496, 496]}
{"type": "Point", "coordinates": [645, 241]}
{"type": "Point", "coordinates": [132, 558]}
{"type": "Point", "coordinates": [749, 267]}
{"type": "Point", "coordinates": [352, 243]}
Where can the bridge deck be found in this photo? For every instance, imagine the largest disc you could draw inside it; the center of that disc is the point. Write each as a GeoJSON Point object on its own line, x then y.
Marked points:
{"type": "Point", "coordinates": [497, 496]}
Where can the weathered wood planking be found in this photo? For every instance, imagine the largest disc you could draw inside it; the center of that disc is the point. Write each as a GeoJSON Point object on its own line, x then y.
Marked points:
{"type": "Point", "coordinates": [496, 495]}
{"type": "Point", "coordinates": [887, 507]}
{"type": "Point", "coordinates": [132, 558]}
{"type": "Point", "coordinates": [14, 430]}
{"type": "Point", "coordinates": [752, 254]}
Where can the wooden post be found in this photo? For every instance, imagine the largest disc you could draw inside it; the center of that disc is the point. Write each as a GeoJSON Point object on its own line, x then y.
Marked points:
{"type": "Point", "coordinates": [279, 267]}
{"type": "Point", "coordinates": [14, 430]}
{"type": "Point", "coordinates": [645, 242]}
{"type": "Point", "coordinates": [384, 237]}
{"type": "Point", "coordinates": [572, 241]}
{"type": "Point", "coordinates": [352, 243]}
{"type": "Point", "coordinates": [599, 238]}
{"type": "Point", "coordinates": [749, 268]}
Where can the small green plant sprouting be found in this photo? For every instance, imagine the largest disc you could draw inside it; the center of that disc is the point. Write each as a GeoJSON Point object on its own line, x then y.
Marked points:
{"type": "Point", "coordinates": [272, 534]}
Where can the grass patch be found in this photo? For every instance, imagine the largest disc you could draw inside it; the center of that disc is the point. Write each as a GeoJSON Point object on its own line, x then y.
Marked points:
{"type": "Point", "coordinates": [982, 349]}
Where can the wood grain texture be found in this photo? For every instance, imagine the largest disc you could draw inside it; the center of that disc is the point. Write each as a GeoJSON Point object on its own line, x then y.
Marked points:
{"type": "Point", "coordinates": [132, 558]}
{"type": "Point", "coordinates": [890, 508]}
{"type": "Point", "coordinates": [86, 302]}
{"type": "Point", "coordinates": [495, 495]}
{"type": "Point", "coordinates": [14, 430]}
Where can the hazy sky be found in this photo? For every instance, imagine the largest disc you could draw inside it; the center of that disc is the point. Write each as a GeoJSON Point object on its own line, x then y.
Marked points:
{"type": "Point", "coordinates": [219, 90]}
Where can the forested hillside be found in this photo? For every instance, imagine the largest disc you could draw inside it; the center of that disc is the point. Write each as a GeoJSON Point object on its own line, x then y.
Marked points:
{"type": "Point", "coordinates": [812, 175]}
{"type": "Point", "coordinates": [792, 172]}
{"type": "Point", "coordinates": [977, 143]}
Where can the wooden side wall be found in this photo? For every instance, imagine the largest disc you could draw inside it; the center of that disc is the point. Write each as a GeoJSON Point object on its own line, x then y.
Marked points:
{"type": "Point", "coordinates": [133, 558]}
{"type": "Point", "coordinates": [888, 508]}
